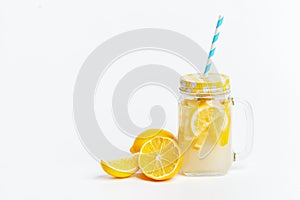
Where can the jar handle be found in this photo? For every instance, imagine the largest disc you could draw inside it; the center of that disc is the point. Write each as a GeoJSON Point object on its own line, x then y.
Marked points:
{"type": "Point", "coordinates": [237, 156]}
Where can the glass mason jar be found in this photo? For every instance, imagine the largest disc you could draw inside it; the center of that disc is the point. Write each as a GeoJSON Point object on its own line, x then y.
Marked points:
{"type": "Point", "coordinates": [204, 133]}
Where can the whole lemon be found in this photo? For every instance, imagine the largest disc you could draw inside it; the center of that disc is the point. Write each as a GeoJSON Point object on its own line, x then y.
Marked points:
{"type": "Point", "coordinates": [147, 135]}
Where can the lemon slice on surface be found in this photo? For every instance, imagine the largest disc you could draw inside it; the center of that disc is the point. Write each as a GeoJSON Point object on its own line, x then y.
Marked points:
{"type": "Point", "coordinates": [122, 167]}
{"type": "Point", "coordinates": [160, 158]}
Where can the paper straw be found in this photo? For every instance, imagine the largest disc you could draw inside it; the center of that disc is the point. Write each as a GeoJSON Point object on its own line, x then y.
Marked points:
{"type": "Point", "coordinates": [213, 45]}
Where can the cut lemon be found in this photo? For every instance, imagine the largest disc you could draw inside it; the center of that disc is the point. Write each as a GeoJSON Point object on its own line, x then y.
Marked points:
{"type": "Point", "coordinates": [201, 118]}
{"type": "Point", "coordinates": [226, 131]}
{"type": "Point", "coordinates": [186, 136]}
{"type": "Point", "coordinates": [160, 158]}
{"type": "Point", "coordinates": [143, 137]}
{"type": "Point", "coordinates": [122, 167]}
{"type": "Point", "coordinates": [207, 124]}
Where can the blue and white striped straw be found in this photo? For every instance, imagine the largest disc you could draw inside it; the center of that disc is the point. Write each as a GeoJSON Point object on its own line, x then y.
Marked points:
{"type": "Point", "coordinates": [213, 45]}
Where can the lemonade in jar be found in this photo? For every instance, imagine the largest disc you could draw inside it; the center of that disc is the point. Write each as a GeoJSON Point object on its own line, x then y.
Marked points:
{"type": "Point", "coordinates": [204, 133]}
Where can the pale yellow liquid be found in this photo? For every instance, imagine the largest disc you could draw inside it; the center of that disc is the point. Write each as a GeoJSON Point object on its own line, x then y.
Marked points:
{"type": "Point", "coordinates": [217, 162]}
{"type": "Point", "coordinates": [215, 155]}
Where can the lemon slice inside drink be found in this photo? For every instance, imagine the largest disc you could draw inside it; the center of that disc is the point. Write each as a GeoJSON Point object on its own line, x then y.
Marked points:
{"type": "Point", "coordinates": [207, 124]}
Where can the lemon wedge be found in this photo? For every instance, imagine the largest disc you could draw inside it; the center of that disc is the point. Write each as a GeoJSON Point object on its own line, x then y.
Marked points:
{"type": "Point", "coordinates": [122, 167]}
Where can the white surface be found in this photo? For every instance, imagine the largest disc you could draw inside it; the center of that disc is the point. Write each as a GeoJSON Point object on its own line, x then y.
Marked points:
{"type": "Point", "coordinates": [43, 44]}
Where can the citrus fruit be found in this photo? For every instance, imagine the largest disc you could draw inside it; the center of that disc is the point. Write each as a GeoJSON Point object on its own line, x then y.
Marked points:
{"type": "Point", "coordinates": [160, 158]}
{"type": "Point", "coordinates": [186, 136]}
{"type": "Point", "coordinates": [226, 131]}
{"type": "Point", "coordinates": [122, 167]}
{"type": "Point", "coordinates": [143, 137]}
{"type": "Point", "coordinates": [207, 124]}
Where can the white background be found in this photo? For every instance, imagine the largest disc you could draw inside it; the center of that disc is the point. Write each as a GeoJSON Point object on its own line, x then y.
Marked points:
{"type": "Point", "coordinates": [43, 44]}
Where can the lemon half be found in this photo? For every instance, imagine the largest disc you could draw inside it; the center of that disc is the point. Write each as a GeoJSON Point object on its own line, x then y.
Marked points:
{"type": "Point", "coordinates": [160, 158]}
